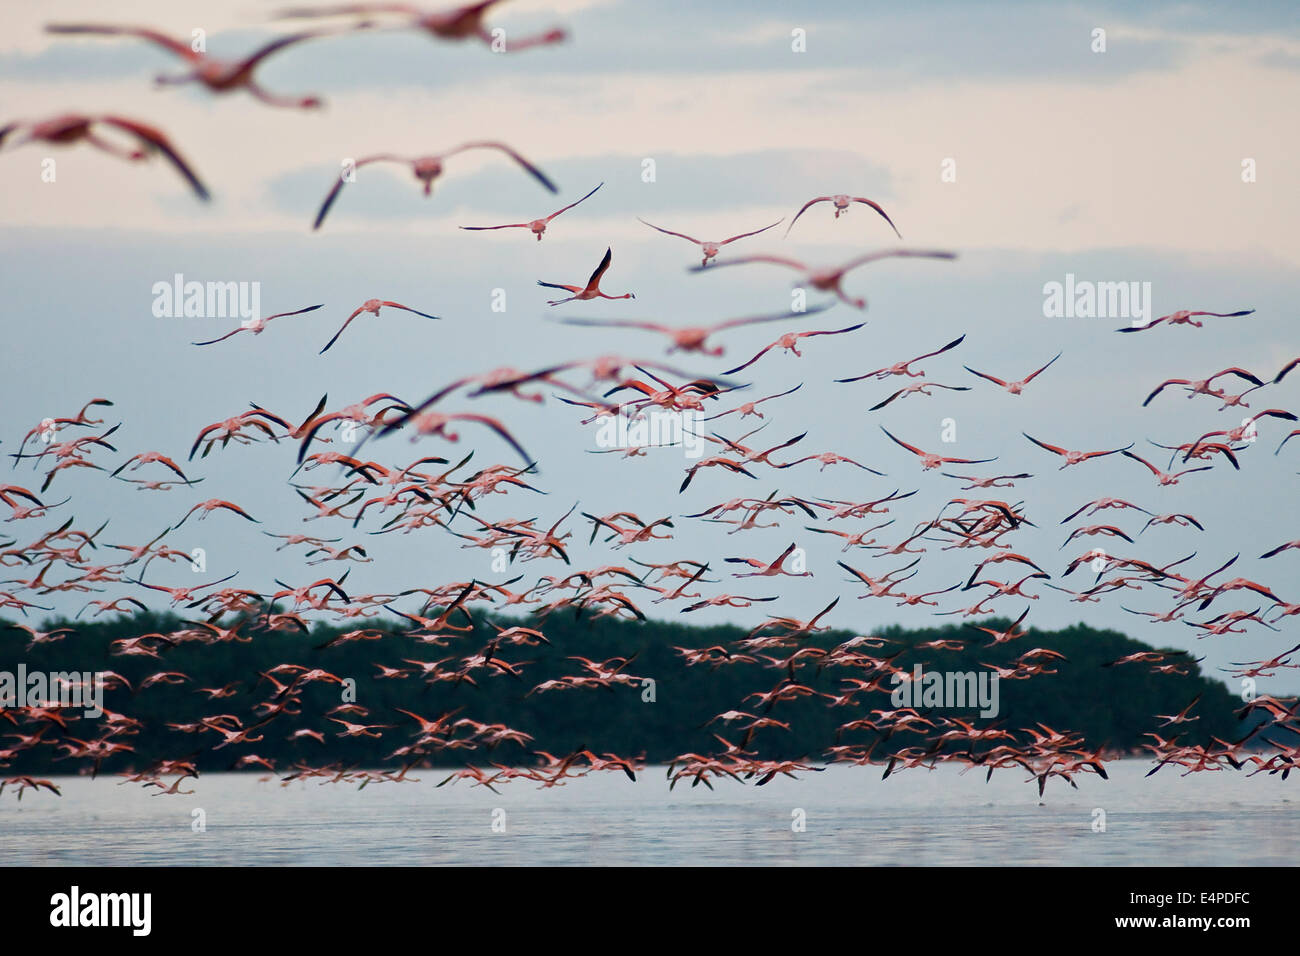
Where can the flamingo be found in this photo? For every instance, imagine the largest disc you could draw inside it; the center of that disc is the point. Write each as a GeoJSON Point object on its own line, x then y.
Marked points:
{"type": "Point", "coordinates": [790, 343]}
{"type": "Point", "coordinates": [372, 306]}
{"type": "Point", "coordinates": [435, 423]}
{"type": "Point", "coordinates": [1102, 504]}
{"type": "Point", "coordinates": [1240, 432]}
{"type": "Point", "coordinates": [52, 425]}
{"type": "Point", "coordinates": [988, 482]}
{"type": "Point", "coordinates": [751, 408]}
{"type": "Point", "coordinates": [457, 23]}
{"type": "Point", "coordinates": [219, 76]}
{"type": "Point", "coordinates": [1202, 386]}
{"type": "Point", "coordinates": [841, 202]}
{"type": "Point", "coordinates": [1164, 478]}
{"type": "Point", "coordinates": [1267, 668]}
{"type": "Point", "coordinates": [41, 637]}
{"type": "Point", "coordinates": [1184, 318]}
{"type": "Point", "coordinates": [426, 169]}
{"type": "Point", "coordinates": [25, 783]}
{"type": "Point", "coordinates": [72, 128]}
{"type": "Point", "coordinates": [690, 339]}
{"type": "Point", "coordinates": [708, 248]}
{"type": "Point", "coordinates": [916, 387]}
{"type": "Point", "coordinates": [536, 226]}
{"type": "Point", "coordinates": [231, 429]}
{"type": "Point", "coordinates": [857, 539]}
{"type": "Point", "coordinates": [1180, 717]}
{"type": "Point", "coordinates": [829, 279]}
{"type": "Point", "coordinates": [259, 324]}
{"type": "Point", "coordinates": [591, 290]}
{"type": "Point", "coordinates": [1181, 520]}
{"type": "Point", "coordinates": [882, 586]}
{"type": "Point", "coordinates": [215, 504]}
{"type": "Point", "coordinates": [904, 368]}
{"type": "Point", "coordinates": [1074, 457]}
{"type": "Point", "coordinates": [149, 457]}
{"type": "Point", "coordinates": [1015, 388]}
{"type": "Point", "coordinates": [769, 570]}
{"type": "Point", "coordinates": [929, 460]}
{"type": "Point", "coordinates": [1105, 529]}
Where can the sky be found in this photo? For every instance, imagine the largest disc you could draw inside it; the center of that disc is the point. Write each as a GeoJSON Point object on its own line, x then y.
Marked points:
{"type": "Point", "coordinates": [999, 132]}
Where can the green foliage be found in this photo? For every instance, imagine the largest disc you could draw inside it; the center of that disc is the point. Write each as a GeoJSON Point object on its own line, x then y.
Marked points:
{"type": "Point", "coordinates": [1109, 706]}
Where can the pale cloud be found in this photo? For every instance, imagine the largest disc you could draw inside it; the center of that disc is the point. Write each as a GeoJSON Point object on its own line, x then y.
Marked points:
{"type": "Point", "coordinates": [1154, 160]}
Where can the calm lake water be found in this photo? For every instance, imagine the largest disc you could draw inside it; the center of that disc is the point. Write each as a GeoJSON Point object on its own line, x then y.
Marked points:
{"type": "Point", "coordinates": [917, 817]}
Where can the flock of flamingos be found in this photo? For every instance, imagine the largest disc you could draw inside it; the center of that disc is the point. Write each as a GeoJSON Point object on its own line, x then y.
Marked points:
{"type": "Point", "coordinates": [436, 495]}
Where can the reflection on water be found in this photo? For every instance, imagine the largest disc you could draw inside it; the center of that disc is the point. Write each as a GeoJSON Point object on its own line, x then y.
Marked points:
{"type": "Point", "coordinates": [917, 817]}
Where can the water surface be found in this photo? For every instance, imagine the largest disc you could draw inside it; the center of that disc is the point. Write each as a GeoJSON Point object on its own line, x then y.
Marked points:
{"type": "Point", "coordinates": [917, 817]}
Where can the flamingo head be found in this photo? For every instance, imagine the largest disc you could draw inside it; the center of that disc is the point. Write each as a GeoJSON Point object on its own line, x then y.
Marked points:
{"type": "Point", "coordinates": [841, 203]}
{"type": "Point", "coordinates": [538, 226]}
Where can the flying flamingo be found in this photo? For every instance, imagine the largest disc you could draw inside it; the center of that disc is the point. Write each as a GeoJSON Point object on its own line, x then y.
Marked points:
{"type": "Point", "coordinates": [148, 457]}
{"type": "Point", "coordinates": [1181, 520]}
{"type": "Point", "coordinates": [72, 128]}
{"type": "Point", "coordinates": [259, 324]}
{"type": "Point", "coordinates": [1074, 457]}
{"type": "Point", "coordinates": [987, 482]}
{"type": "Point", "coordinates": [372, 306]}
{"type": "Point", "coordinates": [1015, 388]}
{"type": "Point", "coordinates": [708, 248]}
{"type": "Point", "coordinates": [592, 288]}
{"type": "Point", "coordinates": [919, 387]}
{"type": "Point", "coordinates": [214, 504]}
{"type": "Point", "coordinates": [751, 408]}
{"type": "Point", "coordinates": [929, 460]}
{"type": "Point", "coordinates": [1163, 478]}
{"type": "Point", "coordinates": [904, 368]}
{"type": "Point", "coordinates": [1183, 318]}
{"type": "Point", "coordinates": [1241, 432]}
{"type": "Point", "coordinates": [538, 226]}
{"type": "Point", "coordinates": [691, 339]}
{"type": "Point", "coordinates": [1202, 386]}
{"type": "Point", "coordinates": [458, 23]}
{"type": "Point", "coordinates": [219, 76]}
{"type": "Point", "coordinates": [426, 170]}
{"type": "Point", "coordinates": [769, 570]}
{"type": "Point", "coordinates": [1180, 717]}
{"type": "Point", "coordinates": [790, 342]}
{"type": "Point", "coordinates": [1102, 504]}
{"type": "Point", "coordinates": [841, 202]}
{"type": "Point", "coordinates": [828, 280]}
